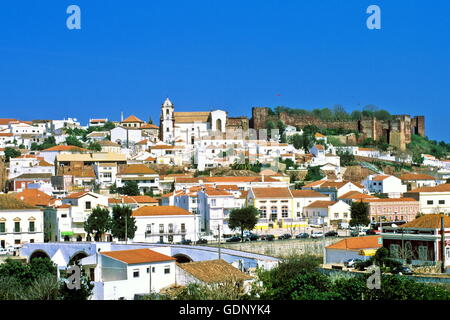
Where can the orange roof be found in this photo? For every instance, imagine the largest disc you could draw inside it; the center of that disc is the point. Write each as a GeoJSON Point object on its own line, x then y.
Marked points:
{"type": "Point", "coordinates": [76, 195]}
{"type": "Point", "coordinates": [321, 204]}
{"type": "Point", "coordinates": [160, 211]}
{"type": "Point", "coordinates": [366, 149]}
{"type": "Point", "coordinates": [428, 221]}
{"type": "Point", "coordinates": [142, 141]}
{"type": "Point", "coordinates": [5, 134]}
{"type": "Point", "coordinates": [356, 195]}
{"type": "Point", "coordinates": [4, 121]}
{"type": "Point", "coordinates": [416, 176]}
{"type": "Point", "coordinates": [136, 169]}
{"type": "Point", "coordinates": [149, 126]}
{"type": "Point", "coordinates": [440, 188]}
{"type": "Point", "coordinates": [391, 200]}
{"type": "Point", "coordinates": [66, 148]}
{"type": "Point", "coordinates": [132, 119]}
{"type": "Point", "coordinates": [134, 199]}
{"type": "Point", "coordinates": [271, 192]}
{"type": "Point", "coordinates": [319, 146]}
{"type": "Point", "coordinates": [319, 135]}
{"type": "Point", "coordinates": [223, 179]}
{"type": "Point", "coordinates": [44, 163]}
{"type": "Point", "coordinates": [135, 256]}
{"type": "Point", "coordinates": [215, 192]}
{"type": "Point", "coordinates": [307, 194]}
{"type": "Point", "coordinates": [357, 243]}
{"type": "Point", "coordinates": [314, 184]}
{"type": "Point", "coordinates": [34, 197]}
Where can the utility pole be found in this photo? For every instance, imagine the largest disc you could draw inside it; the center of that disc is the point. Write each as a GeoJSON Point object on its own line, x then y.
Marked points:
{"type": "Point", "coordinates": [443, 243]}
{"type": "Point", "coordinates": [219, 249]}
{"type": "Point", "coordinates": [150, 278]}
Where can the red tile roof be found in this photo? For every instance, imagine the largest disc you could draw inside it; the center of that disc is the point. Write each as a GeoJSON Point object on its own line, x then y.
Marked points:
{"type": "Point", "coordinates": [160, 211]}
{"type": "Point", "coordinates": [321, 204]}
{"type": "Point", "coordinates": [132, 119]}
{"type": "Point", "coordinates": [357, 243]}
{"type": "Point", "coordinates": [66, 148]}
{"type": "Point", "coordinates": [428, 221]}
{"type": "Point", "coordinates": [34, 197]}
{"type": "Point", "coordinates": [307, 194]}
{"type": "Point", "coordinates": [416, 176]}
{"type": "Point", "coordinates": [136, 256]}
{"type": "Point", "coordinates": [440, 188]}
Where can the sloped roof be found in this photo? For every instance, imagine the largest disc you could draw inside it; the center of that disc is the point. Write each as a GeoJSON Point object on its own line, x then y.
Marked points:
{"type": "Point", "coordinates": [34, 197]}
{"type": "Point", "coordinates": [132, 119]}
{"type": "Point", "coordinates": [188, 117]}
{"type": "Point", "coordinates": [135, 256]}
{"type": "Point", "coordinates": [357, 243]}
{"type": "Point", "coordinates": [214, 271]}
{"type": "Point", "coordinates": [380, 177]}
{"type": "Point", "coordinates": [429, 221]}
{"type": "Point", "coordinates": [356, 195]}
{"type": "Point", "coordinates": [134, 199]}
{"type": "Point", "coordinates": [307, 194]}
{"type": "Point", "coordinates": [160, 211]}
{"type": "Point", "coordinates": [66, 148]}
{"type": "Point", "coordinates": [136, 169]}
{"type": "Point", "coordinates": [272, 192]}
{"type": "Point", "coordinates": [440, 188]}
{"type": "Point", "coordinates": [321, 204]}
{"type": "Point", "coordinates": [10, 202]}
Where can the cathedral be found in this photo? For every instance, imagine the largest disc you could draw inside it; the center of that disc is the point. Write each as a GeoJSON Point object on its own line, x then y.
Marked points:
{"type": "Point", "coordinates": [189, 126]}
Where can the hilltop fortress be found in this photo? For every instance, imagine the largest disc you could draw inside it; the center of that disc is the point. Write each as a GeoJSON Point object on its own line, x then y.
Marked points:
{"type": "Point", "coordinates": [396, 132]}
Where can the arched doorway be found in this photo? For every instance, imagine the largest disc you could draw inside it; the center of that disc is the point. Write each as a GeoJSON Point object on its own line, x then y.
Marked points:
{"type": "Point", "coordinates": [182, 258]}
{"type": "Point", "coordinates": [39, 254]}
{"type": "Point", "coordinates": [77, 257]}
{"type": "Point", "coordinates": [219, 125]}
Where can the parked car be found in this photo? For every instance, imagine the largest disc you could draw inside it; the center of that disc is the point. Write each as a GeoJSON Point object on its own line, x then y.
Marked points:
{"type": "Point", "coordinates": [303, 235]}
{"type": "Point", "coordinates": [284, 236]}
{"type": "Point", "coordinates": [233, 239]}
{"type": "Point", "coordinates": [185, 241]}
{"type": "Point", "coordinates": [252, 237]}
{"type": "Point", "coordinates": [202, 241]}
{"type": "Point", "coordinates": [317, 234]}
{"type": "Point", "coordinates": [3, 251]}
{"type": "Point", "coordinates": [356, 233]}
{"type": "Point", "coordinates": [270, 237]}
{"type": "Point", "coordinates": [403, 270]}
{"type": "Point", "coordinates": [351, 262]}
{"type": "Point", "coordinates": [331, 233]}
{"type": "Point", "coordinates": [370, 232]}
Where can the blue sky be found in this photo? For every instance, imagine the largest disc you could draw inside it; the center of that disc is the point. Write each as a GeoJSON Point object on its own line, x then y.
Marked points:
{"type": "Point", "coordinates": [205, 54]}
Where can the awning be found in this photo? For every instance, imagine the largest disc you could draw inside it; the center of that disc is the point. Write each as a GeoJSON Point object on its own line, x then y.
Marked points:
{"type": "Point", "coordinates": [67, 233]}
{"type": "Point", "coordinates": [367, 252]}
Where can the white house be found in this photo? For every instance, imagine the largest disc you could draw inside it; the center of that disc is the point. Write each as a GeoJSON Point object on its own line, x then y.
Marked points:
{"type": "Point", "coordinates": [20, 222]}
{"type": "Point", "coordinates": [324, 212]}
{"type": "Point", "coordinates": [126, 273]}
{"type": "Point", "coordinates": [432, 200]}
{"type": "Point", "coordinates": [385, 184]}
{"type": "Point", "coordinates": [146, 178]}
{"type": "Point", "coordinates": [165, 224]}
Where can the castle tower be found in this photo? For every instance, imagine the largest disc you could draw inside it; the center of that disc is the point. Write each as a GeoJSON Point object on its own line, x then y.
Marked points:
{"type": "Point", "coordinates": [166, 124]}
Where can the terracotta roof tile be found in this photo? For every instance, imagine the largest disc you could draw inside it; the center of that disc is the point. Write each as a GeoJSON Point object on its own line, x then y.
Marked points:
{"type": "Point", "coordinates": [321, 204]}
{"type": "Point", "coordinates": [136, 256]}
{"type": "Point", "coordinates": [214, 271]}
{"type": "Point", "coordinates": [429, 221]}
{"type": "Point", "coordinates": [160, 211]}
{"type": "Point", "coordinates": [357, 243]}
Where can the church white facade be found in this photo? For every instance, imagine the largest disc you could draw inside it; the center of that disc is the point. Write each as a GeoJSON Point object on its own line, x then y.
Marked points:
{"type": "Point", "coordinates": [189, 126]}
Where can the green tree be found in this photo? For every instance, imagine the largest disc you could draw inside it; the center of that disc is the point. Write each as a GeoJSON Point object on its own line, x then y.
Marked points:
{"type": "Point", "coordinates": [95, 146]}
{"type": "Point", "coordinates": [130, 188]}
{"type": "Point", "coordinates": [98, 223]}
{"type": "Point", "coordinates": [347, 158]}
{"type": "Point", "coordinates": [243, 219]}
{"type": "Point", "coordinates": [73, 141]}
{"type": "Point", "coordinates": [121, 214]}
{"type": "Point", "coordinates": [359, 214]}
{"type": "Point", "coordinates": [314, 174]}
{"type": "Point", "coordinates": [83, 293]}
{"type": "Point", "coordinates": [11, 153]}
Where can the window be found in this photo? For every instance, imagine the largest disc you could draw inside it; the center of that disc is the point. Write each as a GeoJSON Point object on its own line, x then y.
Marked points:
{"type": "Point", "coordinates": [64, 215]}
{"type": "Point", "coordinates": [31, 226]}
{"type": "Point", "coordinates": [394, 250]}
{"type": "Point", "coordinates": [274, 210]}
{"type": "Point", "coordinates": [284, 211]}
{"type": "Point", "coordinates": [148, 229]}
{"type": "Point", "coordinates": [161, 228]}
{"type": "Point", "coordinates": [170, 238]}
{"type": "Point", "coordinates": [263, 212]}
{"type": "Point", "coordinates": [183, 227]}
{"type": "Point", "coordinates": [16, 226]}
{"type": "Point", "coordinates": [88, 205]}
{"type": "Point", "coordinates": [441, 201]}
{"type": "Point", "coordinates": [429, 201]}
{"type": "Point", "coordinates": [2, 227]}
{"type": "Point", "coordinates": [423, 253]}
{"type": "Point", "coordinates": [166, 269]}
{"type": "Point", "coordinates": [170, 227]}
{"type": "Point", "coordinates": [336, 215]}
{"type": "Point", "coordinates": [136, 273]}
{"type": "Point", "coordinates": [213, 202]}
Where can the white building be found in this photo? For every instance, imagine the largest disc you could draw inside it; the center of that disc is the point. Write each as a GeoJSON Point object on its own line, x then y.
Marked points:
{"type": "Point", "coordinates": [125, 273]}
{"type": "Point", "coordinates": [29, 164]}
{"type": "Point", "coordinates": [323, 212]}
{"type": "Point", "coordinates": [165, 224]}
{"type": "Point", "coordinates": [385, 184]}
{"type": "Point", "coordinates": [20, 222]}
{"type": "Point", "coordinates": [432, 200]}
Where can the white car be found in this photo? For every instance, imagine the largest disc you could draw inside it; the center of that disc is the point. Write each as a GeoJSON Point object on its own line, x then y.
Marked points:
{"type": "Point", "coordinates": [317, 234]}
{"type": "Point", "coordinates": [3, 251]}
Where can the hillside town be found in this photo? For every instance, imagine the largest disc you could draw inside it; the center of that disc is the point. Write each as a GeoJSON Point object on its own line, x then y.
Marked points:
{"type": "Point", "coordinates": [169, 192]}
